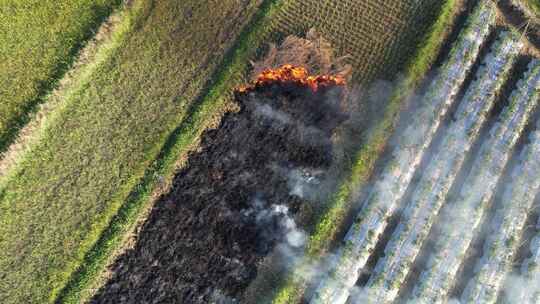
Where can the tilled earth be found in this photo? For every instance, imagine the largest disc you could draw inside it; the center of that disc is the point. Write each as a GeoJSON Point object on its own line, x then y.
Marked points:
{"type": "Point", "coordinates": [203, 240]}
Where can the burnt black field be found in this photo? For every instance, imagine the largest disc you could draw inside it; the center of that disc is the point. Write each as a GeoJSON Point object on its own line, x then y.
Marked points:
{"type": "Point", "coordinates": [204, 239]}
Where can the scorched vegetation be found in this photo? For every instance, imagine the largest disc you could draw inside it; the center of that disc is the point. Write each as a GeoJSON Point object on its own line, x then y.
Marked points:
{"type": "Point", "coordinates": [234, 201]}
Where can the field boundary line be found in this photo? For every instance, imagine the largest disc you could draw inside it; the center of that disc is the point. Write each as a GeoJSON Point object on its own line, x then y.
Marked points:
{"type": "Point", "coordinates": [205, 112]}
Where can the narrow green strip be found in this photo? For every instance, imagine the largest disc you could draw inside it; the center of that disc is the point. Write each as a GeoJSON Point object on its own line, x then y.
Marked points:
{"type": "Point", "coordinates": [341, 203]}
{"type": "Point", "coordinates": [231, 72]}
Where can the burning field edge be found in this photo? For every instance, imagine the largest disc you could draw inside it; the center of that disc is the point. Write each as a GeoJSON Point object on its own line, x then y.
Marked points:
{"type": "Point", "coordinates": [208, 110]}
{"type": "Point", "coordinates": [203, 114]}
{"type": "Point", "coordinates": [329, 225]}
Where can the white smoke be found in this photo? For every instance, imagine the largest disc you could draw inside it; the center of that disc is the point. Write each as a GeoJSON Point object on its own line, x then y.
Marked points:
{"type": "Point", "coordinates": [525, 286]}
{"type": "Point", "coordinates": [287, 230]}
{"type": "Point", "coordinates": [218, 297]}
{"type": "Point", "coordinates": [265, 110]}
{"type": "Point", "coordinates": [518, 288]}
{"type": "Point", "coordinates": [294, 236]}
{"type": "Point", "coordinates": [302, 182]}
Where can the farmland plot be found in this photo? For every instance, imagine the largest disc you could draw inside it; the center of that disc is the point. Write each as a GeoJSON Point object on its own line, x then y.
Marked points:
{"type": "Point", "coordinates": [65, 191]}
{"type": "Point", "coordinates": [332, 220]}
{"type": "Point", "coordinates": [112, 126]}
{"type": "Point", "coordinates": [463, 215]}
{"type": "Point", "coordinates": [378, 36]}
{"type": "Point", "coordinates": [387, 191]}
{"type": "Point", "coordinates": [273, 21]}
{"type": "Point", "coordinates": [231, 203]}
{"type": "Point", "coordinates": [389, 280]}
{"type": "Point", "coordinates": [508, 223]}
{"type": "Point", "coordinates": [117, 121]}
{"type": "Point", "coordinates": [429, 195]}
{"type": "Point", "coordinates": [33, 59]}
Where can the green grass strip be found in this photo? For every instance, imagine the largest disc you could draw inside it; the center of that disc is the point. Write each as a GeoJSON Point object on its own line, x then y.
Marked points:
{"type": "Point", "coordinates": [232, 72]}
{"type": "Point", "coordinates": [340, 205]}
{"type": "Point", "coordinates": [39, 41]}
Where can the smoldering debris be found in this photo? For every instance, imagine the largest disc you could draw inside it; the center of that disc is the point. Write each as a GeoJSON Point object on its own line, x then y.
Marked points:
{"type": "Point", "coordinates": [236, 200]}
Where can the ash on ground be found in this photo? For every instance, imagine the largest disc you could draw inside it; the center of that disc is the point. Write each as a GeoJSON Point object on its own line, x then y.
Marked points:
{"type": "Point", "coordinates": [234, 202]}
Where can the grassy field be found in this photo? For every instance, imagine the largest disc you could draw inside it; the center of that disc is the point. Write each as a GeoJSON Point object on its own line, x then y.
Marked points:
{"type": "Point", "coordinates": [96, 148]}
{"type": "Point", "coordinates": [329, 224]}
{"type": "Point", "coordinates": [38, 42]}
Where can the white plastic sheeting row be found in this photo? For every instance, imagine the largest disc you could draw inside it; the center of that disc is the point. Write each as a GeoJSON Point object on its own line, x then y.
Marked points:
{"type": "Point", "coordinates": [412, 142]}
{"type": "Point", "coordinates": [438, 177]}
{"type": "Point", "coordinates": [462, 218]}
{"type": "Point", "coordinates": [507, 226]}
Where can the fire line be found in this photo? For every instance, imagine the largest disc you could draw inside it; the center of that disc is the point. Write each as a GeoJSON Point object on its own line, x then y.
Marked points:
{"type": "Point", "coordinates": [287, 74]}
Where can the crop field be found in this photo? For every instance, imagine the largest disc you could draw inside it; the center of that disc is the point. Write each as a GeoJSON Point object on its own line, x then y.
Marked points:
{"type": "Point", "coordinates": [137, 185]}
{"type": "Point", "coordinates": [32, 59]}
{"type": "Point", "coordinates": [377, 36]}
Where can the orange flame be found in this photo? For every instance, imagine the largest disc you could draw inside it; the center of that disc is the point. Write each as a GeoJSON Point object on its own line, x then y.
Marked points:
{"type": "Point", "coordinates": [293, 74]}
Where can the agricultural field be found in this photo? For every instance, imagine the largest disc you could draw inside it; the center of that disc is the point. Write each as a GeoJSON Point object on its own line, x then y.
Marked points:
{"type": "Point", "coordinates": [142, 159]}
{"type": "Point", "coordinates": [374, 34]}
{"type": "Point", "coordinates": [38, 42]}
{"type": "Point", "coordinates": [414, 246]}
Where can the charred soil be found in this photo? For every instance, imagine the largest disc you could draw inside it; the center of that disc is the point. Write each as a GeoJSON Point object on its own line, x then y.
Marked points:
{"type": "Point", "coordinates": [205, 239]}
